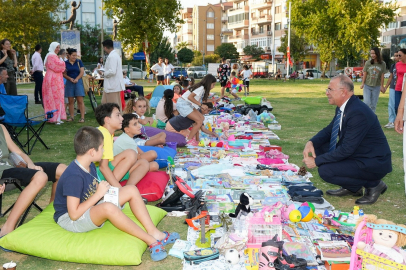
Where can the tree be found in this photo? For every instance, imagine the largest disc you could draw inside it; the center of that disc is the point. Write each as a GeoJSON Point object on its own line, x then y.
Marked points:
{"type": "Point", "coordinates": [227, 50]}
{"type": "Point", "coordinates": [182, 45]}
{"type": "Point", "coordinates": [297, 46]}
{"type": "Point", "coordinates": [163, 50]}
{"type": "Point", "coordinates": [253, 50]}
{"type": "Point", "coordinates": [90, 40]}
{"type": "Point", "coordinates": [143, 22]}
{"type": "Point", "coordinates": [27, 23]}
{"type": "Point", "coordinates": [211, 58]}
{"type": "Point", "coordinates": [336, 27]}
{"type": "Point", "coordinates": [185, 55]}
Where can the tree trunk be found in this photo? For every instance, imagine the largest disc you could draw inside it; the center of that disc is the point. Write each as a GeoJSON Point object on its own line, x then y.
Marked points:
{"type": "Point", "coordinates": [27, 62]}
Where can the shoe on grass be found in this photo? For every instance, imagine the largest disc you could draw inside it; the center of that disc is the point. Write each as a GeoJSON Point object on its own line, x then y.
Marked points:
{"type": "Point", "coordinates": [389, 125]}
{"type": "Point", "coordinates": [157, 251]}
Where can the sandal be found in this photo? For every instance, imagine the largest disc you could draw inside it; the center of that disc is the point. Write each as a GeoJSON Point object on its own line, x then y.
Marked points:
{"type": "Point", "coordinates": [82, 120]}
{"type": "Point", "coordinates": [69, 120]}
{"type": "Point", "coordinates": [170, 238]}
{"type": "Point", "coordinates": [157, 251]}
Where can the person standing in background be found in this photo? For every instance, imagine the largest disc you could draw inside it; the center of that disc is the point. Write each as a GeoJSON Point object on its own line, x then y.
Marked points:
{"type": "Point", "coordinates": [113, 75]}
{"type": "Point", "coordinates": [392, 83]}
{"type": "Point", "coordinates": [8, 59]}
{"type": "Point", "coordinates": [159, 70]}
{"type": "Point", "coordinates": [372, 81]}
{"type": "Point", "coordinates": [222, 73]}
{"type": "Point", "coordinates": [37, 72]}
{"type": "Point", "coordinates": [168, 71]}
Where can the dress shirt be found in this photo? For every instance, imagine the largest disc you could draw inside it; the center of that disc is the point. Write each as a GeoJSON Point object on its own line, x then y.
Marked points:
{"type": "Point", "coordinates": [37, 63]}
{"type": "Point", "coordinates": [342, 112]}
{"type": "Point", "coordinates": [113, 73]}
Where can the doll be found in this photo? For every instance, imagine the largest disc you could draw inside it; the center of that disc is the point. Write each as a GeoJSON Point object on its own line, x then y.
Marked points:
{"type": "Point", "coordinates": [386, 243]}
{"type": "Point", "coordinates": [225, 126]}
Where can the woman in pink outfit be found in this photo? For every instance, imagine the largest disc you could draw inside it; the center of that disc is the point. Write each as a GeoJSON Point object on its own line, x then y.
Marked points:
{"type": "Point", "coordinates": [53, 87]}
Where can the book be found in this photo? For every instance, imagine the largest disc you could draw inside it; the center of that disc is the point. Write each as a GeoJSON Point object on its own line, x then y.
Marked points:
{"type": "Point", "coordinates": [301, 250]}
{"type": "Point", "coordinates": [334, 251]}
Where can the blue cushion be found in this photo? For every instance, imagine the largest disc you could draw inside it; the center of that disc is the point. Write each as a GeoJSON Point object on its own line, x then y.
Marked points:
{"type": "Point", "coordinates": [162, 152]}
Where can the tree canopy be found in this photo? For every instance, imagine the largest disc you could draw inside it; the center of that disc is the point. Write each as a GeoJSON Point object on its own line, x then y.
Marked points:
{"type": "Point", "coordinates": [337, 27]}
{"type": "Point", "coordinates": [253, 50]}
{"type": "Point", "coordinates": [211, 58]}
{"type": "Point", "coordinates": [27, 23]}
{"type": "Point", "coordinates": [297, 46]}
{"type": "Point", "coordinates": [182, 45]}
{"type": "Point", "coordinates": [164, 50]}
{"type": "Point", "coordinates": [186, 55]}
{"type": "Point", "coordinates": [90, 40]}
{"type": "Point", "coordinates": [227, 50]}
{"type": "Point", "coordinates": [143, 20]}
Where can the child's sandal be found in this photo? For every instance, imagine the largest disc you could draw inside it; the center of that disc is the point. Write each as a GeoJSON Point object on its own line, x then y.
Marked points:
{"type": "Point", "coordinates": [170, 238]}
{"type": "Point", "coordinates": [157, 251]}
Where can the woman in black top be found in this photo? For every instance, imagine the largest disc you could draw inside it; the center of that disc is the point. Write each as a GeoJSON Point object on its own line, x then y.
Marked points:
{"type": "Point", "coordinates": [8, 59]}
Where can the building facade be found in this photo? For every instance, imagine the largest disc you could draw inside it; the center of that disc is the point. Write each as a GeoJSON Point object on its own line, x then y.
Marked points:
{"type": "Point", "coordinates": [90, 12]}
{"type": "Point", "coordinates": [185, 31]}
{"type": "Point", "coordinates": [393, 36]}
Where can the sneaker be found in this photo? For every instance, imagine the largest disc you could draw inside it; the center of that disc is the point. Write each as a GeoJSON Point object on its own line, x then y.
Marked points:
{"type": "Point", "coordinates": [389, 125]}
{"type": "Point", "coordinates": [192, 142]}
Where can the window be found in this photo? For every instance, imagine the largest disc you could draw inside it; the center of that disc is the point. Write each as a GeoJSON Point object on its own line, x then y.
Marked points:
{"type": "Point", "coordinates": [210, 14]}
{"type": "Point", "coordinates": [89, 7]}
{"type": "Point", "coordinates": [89, 18]}
{"type": "Point", "coordinates": [210, 48]}
{"type": "Point", "coordinates": [393, 25]}
{"type": "Point", "coordinates": [210, 26]}
{"type": "Point", "coordinates": [238, 18]}
{"type": "Point", "coordinates": [278, 26]}
{"type": "Point", "coordinates": [210, 37]}
{"type": "Point", "coordinates": [403, 24]}
{"type": "Point", "coordinates": [277, 9]}
{"type": "Point", "coordinates": [261, 29]}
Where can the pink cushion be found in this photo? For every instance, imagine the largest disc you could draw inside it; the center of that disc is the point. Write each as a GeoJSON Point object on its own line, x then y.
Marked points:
{"type": "Point", "coordinates": [152, 186]}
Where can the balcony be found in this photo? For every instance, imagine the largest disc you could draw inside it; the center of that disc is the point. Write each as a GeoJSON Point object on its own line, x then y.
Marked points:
{"type": "Point", "coordinates": [224, 19]}
{"type": "Point", "coordinates": [258, 34]}
{"type": "Point", "coordinates": [226, 31]}
{"type": "Point", "coordinates": [238, 25]}
{"type": "Point", "coordinates": [262, 4]}
{"type": "Point", "coordinates": [237, 10]}
{"type": "Point", "coordinates": [265, 18]}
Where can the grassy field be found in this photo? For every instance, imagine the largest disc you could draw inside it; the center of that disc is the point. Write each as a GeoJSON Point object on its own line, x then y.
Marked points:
{"type": "Point", "coordinates": [301, 108]}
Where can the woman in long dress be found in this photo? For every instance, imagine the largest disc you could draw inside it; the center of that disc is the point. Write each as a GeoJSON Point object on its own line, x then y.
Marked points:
{"type": "Point", "coordinates": [53, 87]}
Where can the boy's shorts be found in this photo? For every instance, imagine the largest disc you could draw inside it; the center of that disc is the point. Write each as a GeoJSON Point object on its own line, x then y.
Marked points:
{"type": "Point", "coordinates": [82, 224]}
{"type": "Point", "coordinates": [102, 178]}
{"type": "Point", "coordinates": [234, 91]}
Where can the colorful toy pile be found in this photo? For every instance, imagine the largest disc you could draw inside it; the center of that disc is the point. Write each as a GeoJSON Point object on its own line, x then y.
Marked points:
{"type": "Point", "coordinates": [255, 209]}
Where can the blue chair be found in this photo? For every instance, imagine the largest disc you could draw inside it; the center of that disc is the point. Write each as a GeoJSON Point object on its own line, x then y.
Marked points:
{"type": "Point", "coordinates": [16, 121]}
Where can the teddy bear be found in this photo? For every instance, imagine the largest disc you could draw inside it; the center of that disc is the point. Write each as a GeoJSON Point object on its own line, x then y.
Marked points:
{"type": "Point", "coordinates": [386, 243]}
{"type": "Point", "coordinates": [245, 201]}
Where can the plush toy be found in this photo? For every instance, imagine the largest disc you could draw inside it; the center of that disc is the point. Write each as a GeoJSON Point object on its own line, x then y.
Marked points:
{"type": "Point", "coordinates": [386, 243]}
{"type": "Point", "coordinates": [245, 201]}
{"type": "Point", "coordinates": [225, 126]}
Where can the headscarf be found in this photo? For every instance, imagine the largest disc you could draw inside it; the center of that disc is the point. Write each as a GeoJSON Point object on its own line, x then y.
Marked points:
{"type": "Point", "coordinates": [51, 50]}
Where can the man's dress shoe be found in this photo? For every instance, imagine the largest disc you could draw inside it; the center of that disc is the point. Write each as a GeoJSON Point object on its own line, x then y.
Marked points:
{"type": "Point", "coordinates": [343, 192]}
{"type": "Point", "coordinates": [372, 194]}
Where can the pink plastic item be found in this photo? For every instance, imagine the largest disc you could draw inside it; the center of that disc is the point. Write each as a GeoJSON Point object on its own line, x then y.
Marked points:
{"type": "Point", "coordinates": [231, 138]}
{"type": "Point", "coordinates": [284, 167]}
{"type": "Point", "coordinates": [269, 161]}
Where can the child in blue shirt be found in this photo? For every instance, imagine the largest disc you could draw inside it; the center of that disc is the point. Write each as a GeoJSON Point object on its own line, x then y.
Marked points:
{"type": "Point", "coordinates": [79, 205]}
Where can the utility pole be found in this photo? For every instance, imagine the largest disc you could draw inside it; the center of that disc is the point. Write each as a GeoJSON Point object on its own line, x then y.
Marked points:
{"type": "Point", "coordinates": [288, 49]}
{"type": "Point", "coordinates": [204, 37]}
{"type": "Point", "coordinates": [273, 37]}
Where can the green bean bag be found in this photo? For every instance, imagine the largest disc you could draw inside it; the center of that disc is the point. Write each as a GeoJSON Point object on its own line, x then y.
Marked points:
{"type": "Point", "coordinates": [42, 237]}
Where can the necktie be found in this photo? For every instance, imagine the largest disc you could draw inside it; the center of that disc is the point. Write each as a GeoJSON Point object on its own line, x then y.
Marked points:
{"type": "Point", "coordinates": [335, 130]}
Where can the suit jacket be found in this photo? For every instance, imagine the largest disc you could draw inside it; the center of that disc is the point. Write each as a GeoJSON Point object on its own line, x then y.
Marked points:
{"type": "Point", "coordinates": [361, 139]}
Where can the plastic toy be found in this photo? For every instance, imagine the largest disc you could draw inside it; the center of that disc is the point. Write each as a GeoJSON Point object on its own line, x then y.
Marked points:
{"type": "Point", "coordinates": [306, 212]}
{"type": "Point", "coordinates": [258, 104]}
{"type": "Point", "coordinates": [266, 117]}
{"type": "Point", "coordinates": [295, 216]}
{"type": "Point", "coordinates": [232, 256]}
{"type": "Point", "coordinates": [171, 201]}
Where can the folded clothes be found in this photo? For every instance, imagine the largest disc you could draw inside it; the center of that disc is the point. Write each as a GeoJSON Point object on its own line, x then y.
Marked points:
{"type": "Point", "coordinates": [308, 199]}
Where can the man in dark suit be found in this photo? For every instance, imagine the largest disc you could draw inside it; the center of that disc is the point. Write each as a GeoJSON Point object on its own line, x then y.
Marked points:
{"type": "Point", "coordinates": [352, 151]}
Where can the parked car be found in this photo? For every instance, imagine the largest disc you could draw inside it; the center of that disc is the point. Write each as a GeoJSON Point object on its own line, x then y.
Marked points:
{"type": "Point", "coordinates": [316, 73]}
{"type": "Point", "coordinates": [137, 73]}
{"type": "Point", "coordinates": [339, 72]}
{"type": "Point", "coordinates": [196, 72]}
{"type": "Point", "coordinates": [179, 71]}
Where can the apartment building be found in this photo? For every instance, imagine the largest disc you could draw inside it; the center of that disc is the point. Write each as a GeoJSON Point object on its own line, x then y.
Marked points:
{"type": "Point", "coordinates": [393, 36]}
{"type": "Point", "coordinates": [90, 12]}
{"type": "Point", "coordinates": [185, 31]}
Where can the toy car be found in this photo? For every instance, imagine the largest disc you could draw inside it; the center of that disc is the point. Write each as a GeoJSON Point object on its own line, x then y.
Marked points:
{"type": "Point", "coordinates": [259, 104]}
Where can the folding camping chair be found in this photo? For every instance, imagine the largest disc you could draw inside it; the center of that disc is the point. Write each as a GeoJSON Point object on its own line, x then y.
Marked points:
{"type": "Point", "coordinates": [16, 121]}
{"type": "Point", "coordinates": [9, 182]}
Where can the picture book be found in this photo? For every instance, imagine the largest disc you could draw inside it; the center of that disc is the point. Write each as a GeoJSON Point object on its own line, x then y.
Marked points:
{"type": "Point", "coordinates": [334, 251]}
{"type": "Point", "coordinates": [257, 195]}
{"type": "Point", "coordinates": [301, 250]}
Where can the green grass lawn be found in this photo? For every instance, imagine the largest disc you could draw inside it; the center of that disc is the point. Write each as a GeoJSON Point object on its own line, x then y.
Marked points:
{"type": "Point", "coordinates": [301, 108]}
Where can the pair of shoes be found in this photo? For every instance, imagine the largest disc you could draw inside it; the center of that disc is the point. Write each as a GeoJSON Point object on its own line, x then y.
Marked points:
{"type": "Point", "coordinates": [38, 102]}
{"type": "Point", "coordinates": [343, 192]}
{"type": "Point", "coordinates": [192, 142]}
{"type": "Point", "coordinates": [81, 120]}
{"type": "Point", "coordinates": [157, 251]}
{"type": "Point", "coordinates": [170, 238]}
{"type": "Point", "coordinates": [372, 194]}
{"type": "Point", "coordinates": [4, 249]}
{"type": "Point", "coordinates": [58, 122]}
{"type": "Point", "coordinates": [389, 125]}
{"type": "Point", "coordinates": [268, 253]}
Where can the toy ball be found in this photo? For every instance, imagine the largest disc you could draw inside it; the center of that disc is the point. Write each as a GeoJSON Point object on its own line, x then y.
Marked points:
{"type": "Point", "coordinates": [201, 143]}
{"type": "Point", "coordinates": [310, 205]}
{"type": "Point", "coordinates": [295, 216]}
{"type": "Point", "coordinates": [220, 144]}
{"type": "Point", "coordinates": [232, 256]}
{"type": "Point", "coordinates": [306, 212]}
{"type": "Point", "coordinates": [213, 144]}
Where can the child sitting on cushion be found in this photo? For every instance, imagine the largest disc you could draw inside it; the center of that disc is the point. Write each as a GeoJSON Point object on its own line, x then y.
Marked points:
{"type": "Point", "coordinates": [79, 205]}
{"type": "Point", "coordinates": [139, 106]}
{"type": "Point", "coordinates": [124, 165]}
{"type": "Point", "coordinates": [181, 125]}
{"type": "Point", "coordinates": [131, 128]}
